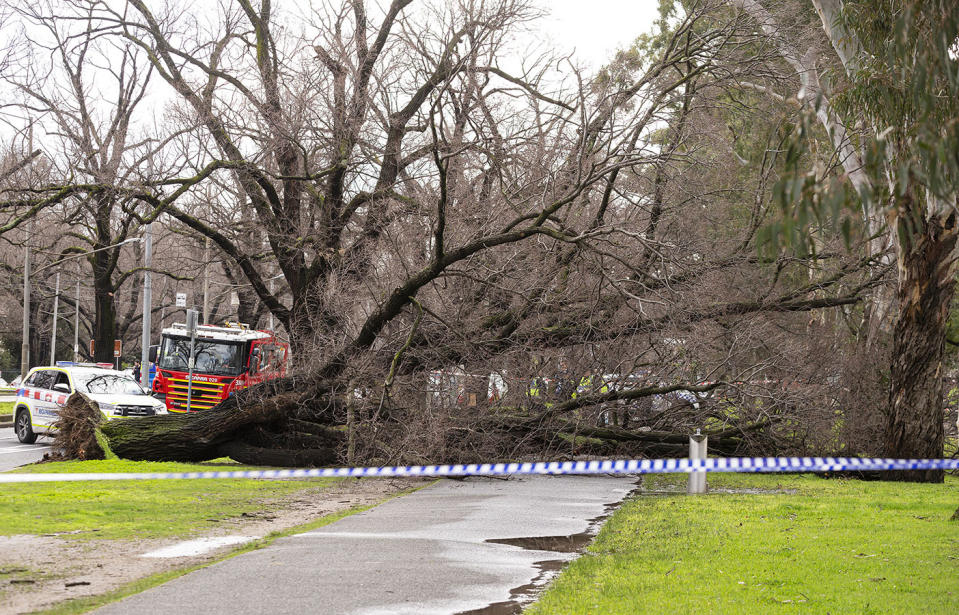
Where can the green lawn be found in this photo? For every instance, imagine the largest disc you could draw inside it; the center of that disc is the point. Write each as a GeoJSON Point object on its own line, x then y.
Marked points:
{"type": "Point", "coordinates": [815, 546]}
{"type": "Point", "coordinates": [6, 408]}
{"type": "Point", "coordinates": [128, 509]}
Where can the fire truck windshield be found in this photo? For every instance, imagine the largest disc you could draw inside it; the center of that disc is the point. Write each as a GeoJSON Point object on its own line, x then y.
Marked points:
{"type": "Point", "coordinates": [212, 357]}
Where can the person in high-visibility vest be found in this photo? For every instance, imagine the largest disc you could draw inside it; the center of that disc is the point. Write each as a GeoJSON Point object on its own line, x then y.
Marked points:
{"type": "Point", "coordinates": [583, 386]}
{"type": "Point", "coordinates": [534, 388]}
{"type": "Point", "coordinates": [538, 391]}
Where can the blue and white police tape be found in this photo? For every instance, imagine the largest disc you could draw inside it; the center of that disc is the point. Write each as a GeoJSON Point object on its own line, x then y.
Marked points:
{"type": "Point", "coordinates": [621, 466]}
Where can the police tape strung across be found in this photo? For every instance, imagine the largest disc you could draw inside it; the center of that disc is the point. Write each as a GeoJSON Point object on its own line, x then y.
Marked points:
{"type": "Point", "coordinates": [621, 466]}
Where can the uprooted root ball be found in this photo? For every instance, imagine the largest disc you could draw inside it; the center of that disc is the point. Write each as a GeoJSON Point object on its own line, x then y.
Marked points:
{"type": "Point", "coordinates": [76, 435]}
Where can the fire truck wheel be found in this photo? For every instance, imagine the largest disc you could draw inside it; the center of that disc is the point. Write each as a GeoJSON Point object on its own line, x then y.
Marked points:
{"type": "Point", "coordinates": [23, 427]}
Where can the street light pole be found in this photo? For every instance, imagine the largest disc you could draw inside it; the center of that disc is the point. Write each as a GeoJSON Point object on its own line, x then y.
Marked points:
{"type": "Point", "coordinates": [53, 333]}
{"type": "Point", "coordinates": [147, 307]}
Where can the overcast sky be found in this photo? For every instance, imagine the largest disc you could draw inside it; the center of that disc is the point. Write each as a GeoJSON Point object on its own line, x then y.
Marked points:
{"type": "Point", "coordinates": [597, 28]}
{"type": "Point", "coordinates": [593, 29]}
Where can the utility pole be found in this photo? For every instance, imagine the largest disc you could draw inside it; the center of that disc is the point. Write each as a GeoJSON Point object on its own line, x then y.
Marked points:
{"type": "Point", "coordinates": [206, 281]}
{"type": "Point", "coordinates": [25, 345]}
{"type": "Point", "coordinates": [147, 307]}
{"type": "Point", "coordinates": [76, 319]}
{"type": "Point", "coordinates": [53, 332]}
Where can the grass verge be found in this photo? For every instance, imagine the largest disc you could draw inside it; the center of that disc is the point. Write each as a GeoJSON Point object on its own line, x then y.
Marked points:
{"type": "Point", "coordinates": [802, 545]}
{"type": "Point", "coordinates": [88, 603]}
{"type": "Point", "coordinates": [141, 509]}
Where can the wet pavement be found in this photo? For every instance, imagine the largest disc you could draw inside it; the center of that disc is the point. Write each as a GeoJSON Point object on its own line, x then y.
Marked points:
{"type": "Point", "coordinates": [482, 546]}
{"type": "Point", "coordinates": [13, 454]}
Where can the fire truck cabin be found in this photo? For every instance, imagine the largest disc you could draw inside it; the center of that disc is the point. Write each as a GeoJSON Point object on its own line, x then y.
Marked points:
{"type": "Point", "coordinates": [226, 359]}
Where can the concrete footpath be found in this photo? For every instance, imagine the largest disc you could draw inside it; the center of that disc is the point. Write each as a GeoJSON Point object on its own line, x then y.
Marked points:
{"type": "Point", "coordinates": [456, 546]}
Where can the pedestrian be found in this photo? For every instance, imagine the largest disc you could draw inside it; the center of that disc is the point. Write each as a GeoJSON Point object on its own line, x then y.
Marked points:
{"type": "Point", "coordinates": [136, 371]}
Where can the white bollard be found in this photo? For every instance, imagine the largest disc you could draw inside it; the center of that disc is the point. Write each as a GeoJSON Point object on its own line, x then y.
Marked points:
{"type": "Point", "coordinates": [697, 450]}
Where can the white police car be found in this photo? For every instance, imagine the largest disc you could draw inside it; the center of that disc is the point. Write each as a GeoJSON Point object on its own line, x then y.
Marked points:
{"type": "Point", "coordinates": [46, 390]}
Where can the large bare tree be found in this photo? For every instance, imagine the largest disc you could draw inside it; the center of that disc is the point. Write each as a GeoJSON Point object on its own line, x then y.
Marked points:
{"type": "Point", "coordinates": [86, 93]}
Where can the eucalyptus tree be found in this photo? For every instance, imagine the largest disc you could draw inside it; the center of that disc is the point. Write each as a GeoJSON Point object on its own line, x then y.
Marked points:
{"type": "Point", "coordinates": [885, 88]}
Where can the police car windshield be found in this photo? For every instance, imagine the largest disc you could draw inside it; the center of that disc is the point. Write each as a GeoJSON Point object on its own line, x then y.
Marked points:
{"type": "Point", "coordinates": [108, 383]}
{"type": "Point", "coordinates": [211, 357]}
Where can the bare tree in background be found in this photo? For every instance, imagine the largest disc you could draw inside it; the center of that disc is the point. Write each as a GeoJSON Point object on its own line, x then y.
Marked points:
{"type": "Point", "coordinates": [85, 91]}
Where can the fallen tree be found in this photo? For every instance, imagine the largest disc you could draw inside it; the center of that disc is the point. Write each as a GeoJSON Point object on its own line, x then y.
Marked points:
{"type": "Point", "coordinates": [259, 425]}
{"type": "Point", "coordinates": [273, 424]}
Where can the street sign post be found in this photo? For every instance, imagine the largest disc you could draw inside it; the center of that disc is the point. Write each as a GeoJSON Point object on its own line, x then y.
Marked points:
{"type": "Point", "coordinates": [117, 348]}
{"type": "Point", "coordinates": [192, 316]}
{"type": "Point", "coordinates": [147, 308]}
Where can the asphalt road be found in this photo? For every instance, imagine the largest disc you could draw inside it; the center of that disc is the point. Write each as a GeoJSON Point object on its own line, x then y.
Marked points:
{"type": "Point", "coordinates": [14, 454]}
{"type": "Point", "coordinates": [428, 552]}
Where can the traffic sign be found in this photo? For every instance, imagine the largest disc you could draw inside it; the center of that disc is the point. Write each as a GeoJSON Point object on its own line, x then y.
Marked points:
{"type": "Point", "coordinates": [117, 347]}
{"type": "Point", "coordinates": [181, 299]}
{"type": "Point", "coordinates": [192, 319]}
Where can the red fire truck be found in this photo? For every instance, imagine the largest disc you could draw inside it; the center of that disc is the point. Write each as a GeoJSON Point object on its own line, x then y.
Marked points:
{"type": "Point", "coordinates": [226, 359]}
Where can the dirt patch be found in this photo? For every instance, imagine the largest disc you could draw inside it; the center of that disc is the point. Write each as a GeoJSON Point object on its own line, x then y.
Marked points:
{"type": "Point", "coordinates": [53, 568]}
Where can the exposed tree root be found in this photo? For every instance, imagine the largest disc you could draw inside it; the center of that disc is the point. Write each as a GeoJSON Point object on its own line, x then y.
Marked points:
{"type": "Point", "coordinates": [76, 435]}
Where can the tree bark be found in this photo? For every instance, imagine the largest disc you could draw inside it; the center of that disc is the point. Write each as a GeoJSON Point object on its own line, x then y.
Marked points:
{"type": "Point", "coordinates": [105, 324]}
{"type": "Point", "coordinates": [927, 261]}
{"type": "Point", "coordinates": [196, 436]}
{"type": "Point", "coordinates": [260, 456]}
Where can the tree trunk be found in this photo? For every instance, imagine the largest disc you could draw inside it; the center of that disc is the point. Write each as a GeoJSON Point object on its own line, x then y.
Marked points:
{"type": "Point", "coordinates": [105, 325]}
{"type": "Point", "coordinates": [195, 436]}
{"type": "Point", "coordinates": [927, 265]}
{"type": "Point", "coordinates": [300, 327]}
{"type": "Point", "coordinates": [261, 456]}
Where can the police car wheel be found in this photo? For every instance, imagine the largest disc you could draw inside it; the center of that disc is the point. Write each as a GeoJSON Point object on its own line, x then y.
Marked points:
{"type": "Point", "coordinates": [24, 429]}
